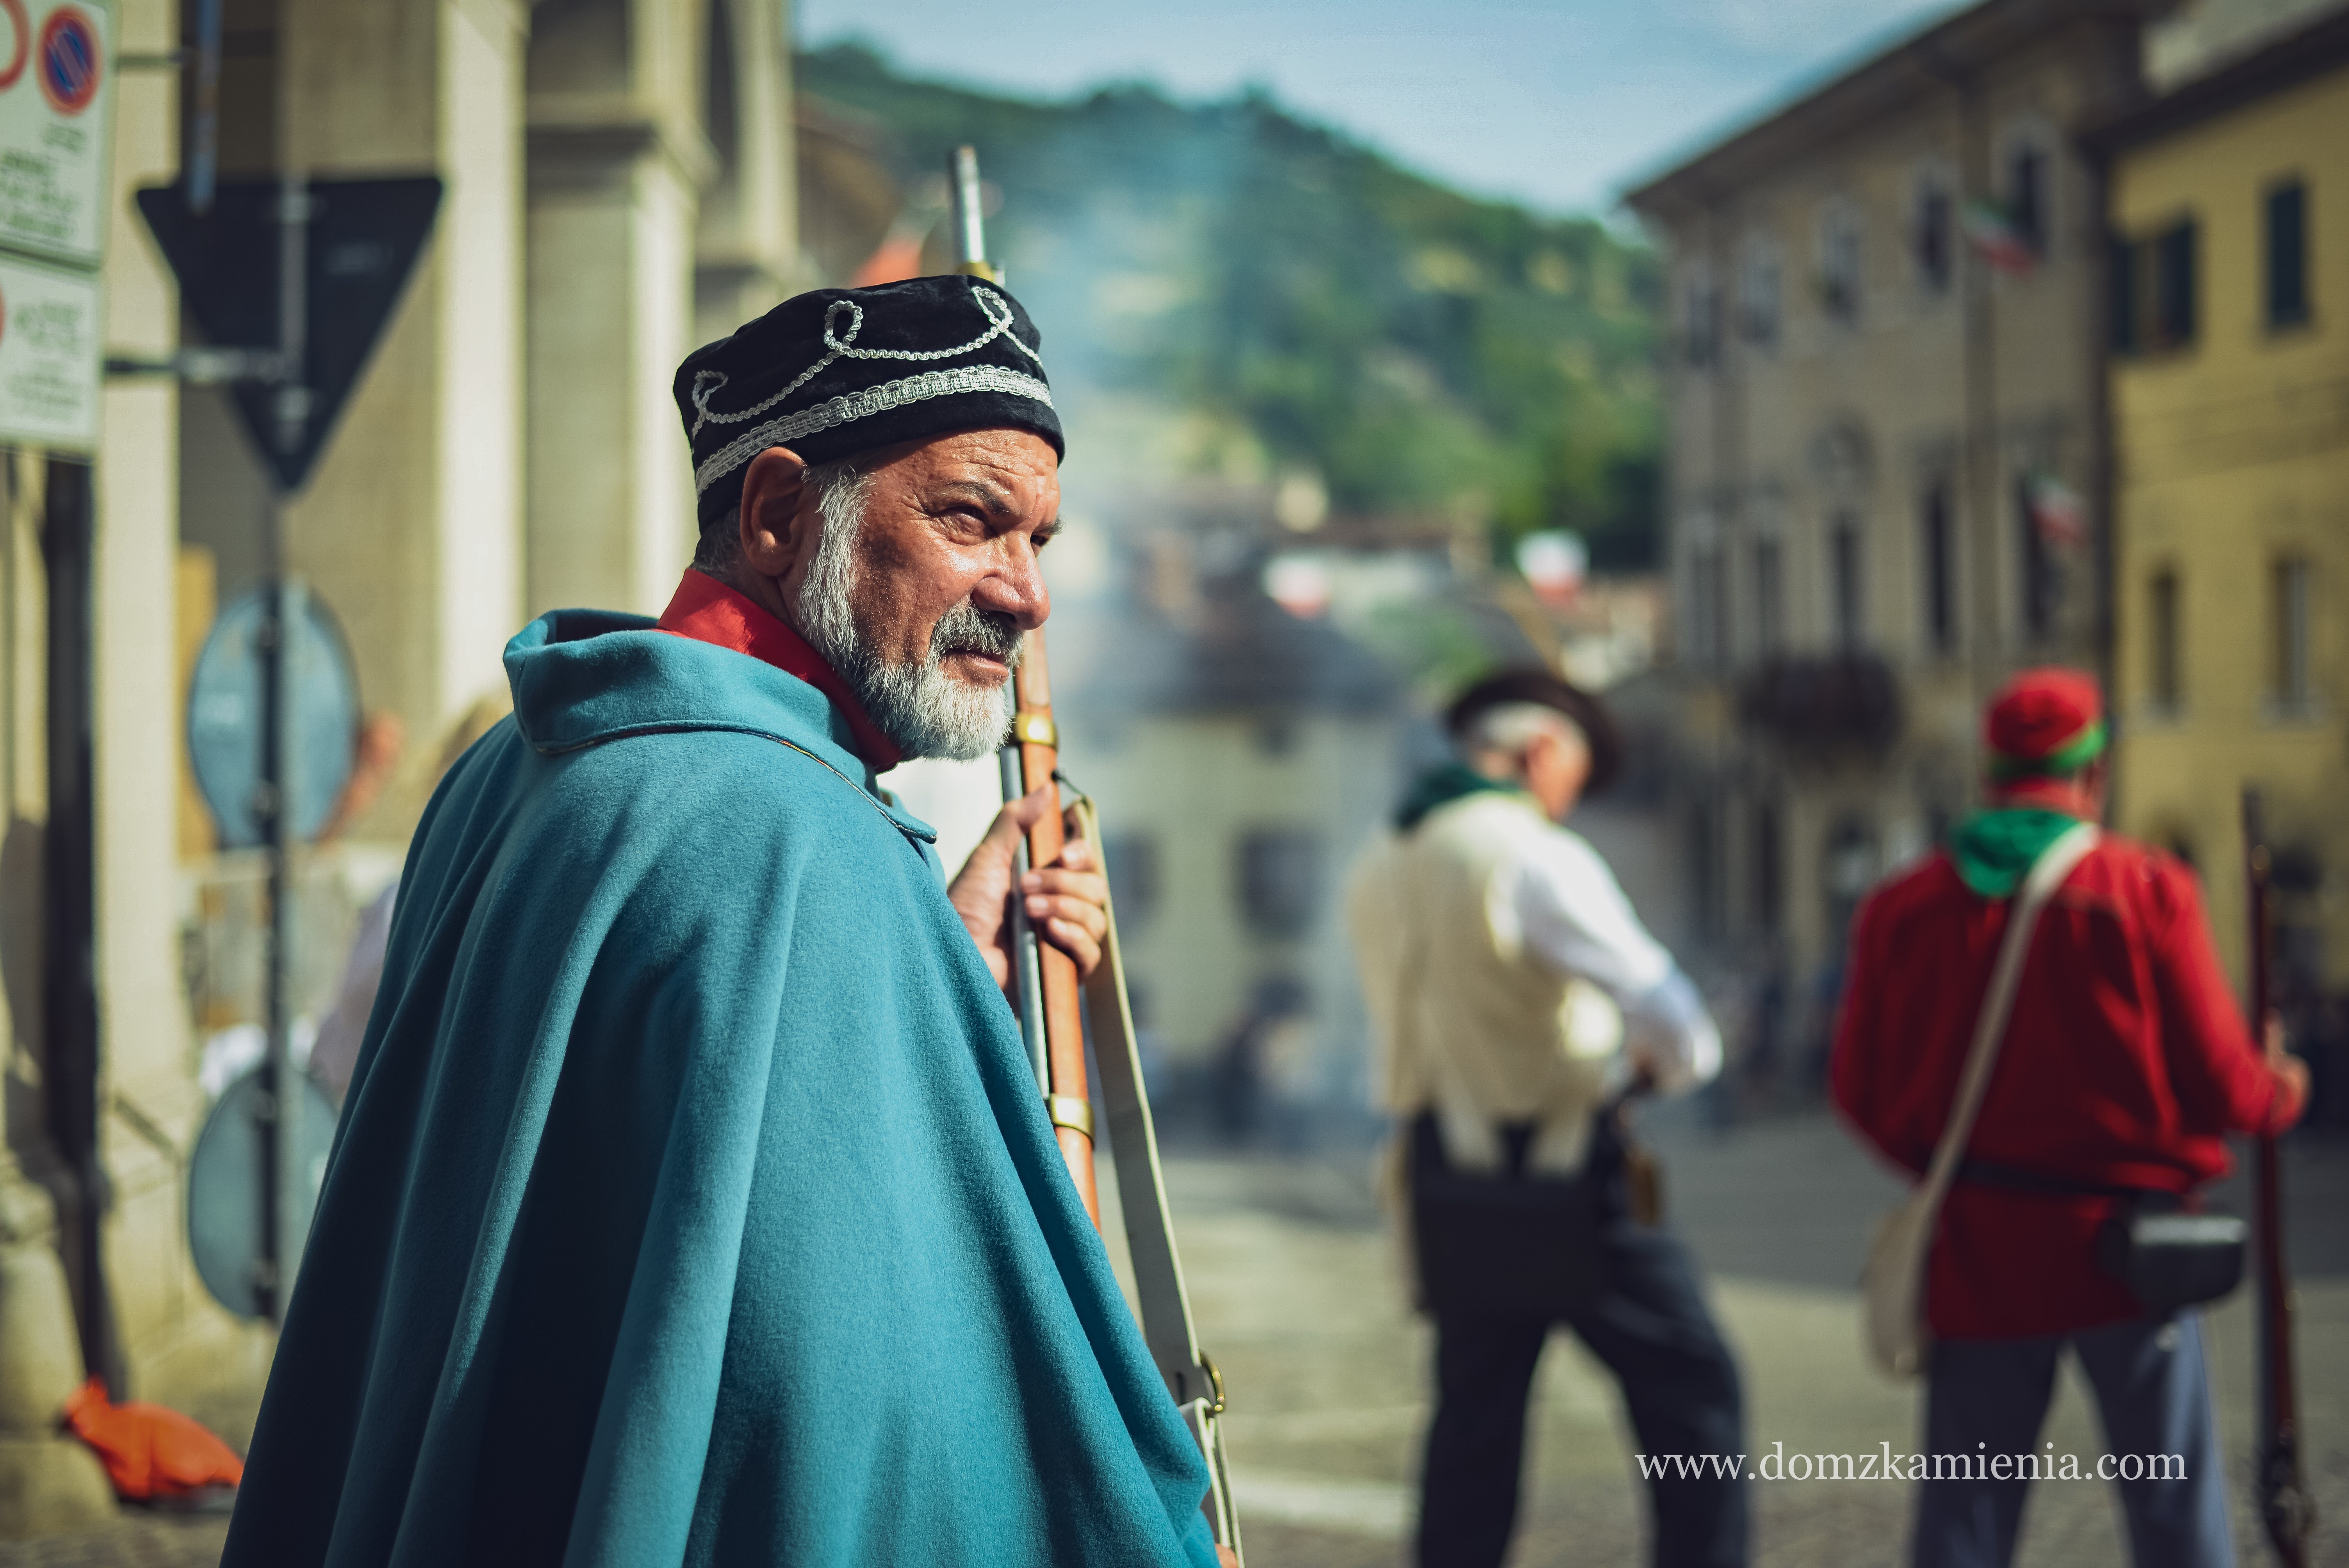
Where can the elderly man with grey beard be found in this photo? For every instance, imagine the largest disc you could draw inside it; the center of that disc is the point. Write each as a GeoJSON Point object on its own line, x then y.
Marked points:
{"type": "Point", "coordinates": [694, 1202]}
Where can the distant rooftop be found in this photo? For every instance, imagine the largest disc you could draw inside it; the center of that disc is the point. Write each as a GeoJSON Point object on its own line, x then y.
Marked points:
{"type": "Point", "coordinates": [1877, 88]}
{"type": "Point", "coordinates": [2316, 49]}
{"type": "Point", "coordinates": [1233, 651]}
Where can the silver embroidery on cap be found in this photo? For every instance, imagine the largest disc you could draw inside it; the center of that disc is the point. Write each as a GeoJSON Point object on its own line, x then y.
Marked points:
{"type": "Point", "coordinates": [836, 411]}
{"type": "Point", "coordinates": [991, 304]}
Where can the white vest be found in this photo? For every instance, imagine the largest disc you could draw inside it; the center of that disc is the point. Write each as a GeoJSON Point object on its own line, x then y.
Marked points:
{"type": "Point", "coordinates": [1473, 1027]}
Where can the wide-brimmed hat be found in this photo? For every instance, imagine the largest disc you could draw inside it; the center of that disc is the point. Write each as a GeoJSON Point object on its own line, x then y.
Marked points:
{"type": "Point", "coordinates": [1507, 688]}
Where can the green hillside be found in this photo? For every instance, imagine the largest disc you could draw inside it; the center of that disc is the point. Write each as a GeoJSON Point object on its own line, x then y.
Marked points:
{"type": "Point", "coordinates": [1299, 303]}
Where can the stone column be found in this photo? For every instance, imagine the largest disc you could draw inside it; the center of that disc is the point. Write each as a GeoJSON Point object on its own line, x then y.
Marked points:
{"type": "Point", "coordinates": [176, 1343]}
{"type": "Point", "coordinates": [49, 1483]}
{"type": "Point", "coordinates": [747, 251]}
{"type": "Point", "coordinates": [410, 525]}
{"type": "Point", "coordinates": [617, 162]}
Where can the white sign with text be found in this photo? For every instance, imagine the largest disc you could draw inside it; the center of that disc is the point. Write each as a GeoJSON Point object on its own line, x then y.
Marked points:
{"type": "Point", "coordinates": [57, 112]}
{"type": "Point", "coordinates": [49, 356]}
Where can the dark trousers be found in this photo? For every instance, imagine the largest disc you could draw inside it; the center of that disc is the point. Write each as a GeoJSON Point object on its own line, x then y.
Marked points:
{"type": "Point", "coordinates": [1651, 1329]}
{"type": "Point", "coordinates": [2153, 1391]}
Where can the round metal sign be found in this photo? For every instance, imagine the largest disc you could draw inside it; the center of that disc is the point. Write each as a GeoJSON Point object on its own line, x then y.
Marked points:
{"type": "Point", "coordinates": [225, 1212]}
{"type": "Point", "coordinates": [226, 710]}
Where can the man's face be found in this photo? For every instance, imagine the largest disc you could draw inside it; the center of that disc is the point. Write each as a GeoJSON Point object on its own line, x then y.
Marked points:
{"type": "Point", "coordinates": [958, 519]}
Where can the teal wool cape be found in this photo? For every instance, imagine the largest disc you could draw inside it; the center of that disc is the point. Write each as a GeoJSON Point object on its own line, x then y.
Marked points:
{"type": "Point", "coordinates": [694, 1202]}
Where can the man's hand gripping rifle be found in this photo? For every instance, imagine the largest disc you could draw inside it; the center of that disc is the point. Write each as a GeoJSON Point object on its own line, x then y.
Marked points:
{"type": "Point", "coordinates": [1056, 1008]}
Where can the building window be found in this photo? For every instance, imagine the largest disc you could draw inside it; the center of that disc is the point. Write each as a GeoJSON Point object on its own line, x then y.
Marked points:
{"type": "Point", "coordinates": [1769, 868]}
{"type": "Point", "coordinates": [1708, 614]}
{"type": "Point", "coordinates": [1132, 866]}
{"type": "Point", "coordinates": [1279, 877]}
{"type": "Point", "coordinates": [1843, 566]}
{"type": "Point", "coordinates": [2042, 584]}
{"type": "Point", "coordinates": [2288, 618]}
{"type": "Point", "coordinates": [2164, 675]}
{"type": "Point", "coordinates": [2153, 291]}
{"type": "Point", "coordinates": [1705, 869]}
{"type": "Point", "coordinates": [1934, 237]}
{"type": "Point", "coordinates": [1939, 545]}
{"type": "Point", "coordinates": [1757, 290]}
{"type": "Point", "coordinates": [1769, 623]}
{"type": "Point", "coordinates": [1701, 322]}
{"type": "Point", "coordinates": [1275, 736]}
{"type": "Point", "coordinates": [1839, 264]}
{"type": "Point", "coordinates": [2026, 197]}
{"type": "Point", "coordinates": [2287, 243]}
{"type": "Point", "coordinates": [1847, 867]}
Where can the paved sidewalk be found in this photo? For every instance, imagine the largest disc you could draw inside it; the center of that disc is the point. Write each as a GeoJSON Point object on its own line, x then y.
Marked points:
{"type": "Point", "coordinates": [140, 1540]}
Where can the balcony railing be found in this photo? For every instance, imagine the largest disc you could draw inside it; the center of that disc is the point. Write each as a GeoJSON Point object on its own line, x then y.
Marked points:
{"type": "Point", "coordinates": [1841, 701]}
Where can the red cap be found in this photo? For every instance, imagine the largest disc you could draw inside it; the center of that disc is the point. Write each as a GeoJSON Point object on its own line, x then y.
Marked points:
{"type": "Point", "coordinates": [2044, 722]}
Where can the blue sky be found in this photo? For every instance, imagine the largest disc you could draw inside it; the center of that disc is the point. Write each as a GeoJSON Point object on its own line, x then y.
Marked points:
{"type": "Point", "coordinates": [1560, 105]}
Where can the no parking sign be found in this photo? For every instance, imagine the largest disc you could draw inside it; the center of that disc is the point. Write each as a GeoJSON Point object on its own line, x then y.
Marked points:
{"type": "Point", "coordinates": [57, 102]}
{"type": "Point", "coordinates": [57, 118]}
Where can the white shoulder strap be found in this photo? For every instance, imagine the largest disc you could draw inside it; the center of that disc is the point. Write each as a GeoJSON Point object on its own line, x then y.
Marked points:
{"type": "Point", "coordinates": [1165, 1304]}
{"type": "Point", "coordinates": [2046, 874]}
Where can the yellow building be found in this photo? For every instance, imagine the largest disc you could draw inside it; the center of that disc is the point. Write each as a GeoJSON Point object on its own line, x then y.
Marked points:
{"type": "Point", "coordinates": [2229, 386]}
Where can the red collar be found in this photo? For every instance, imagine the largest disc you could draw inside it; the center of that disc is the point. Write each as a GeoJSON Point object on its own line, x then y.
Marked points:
{"type": "Point", "coordinates": [708, 611]}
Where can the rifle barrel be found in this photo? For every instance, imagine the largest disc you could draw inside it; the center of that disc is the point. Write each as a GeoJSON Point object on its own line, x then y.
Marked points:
{"type": "Point", "coordinates": [970, 216]}
{"type": "Point", "coordinates": [2284, 1507]}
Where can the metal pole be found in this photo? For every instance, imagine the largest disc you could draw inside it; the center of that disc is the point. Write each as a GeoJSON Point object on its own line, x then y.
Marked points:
{"type": "Point", "coordinates": [1027, 971]}
{"type": "Point", "coordinates": [203, 127]}
{"type": "Point", "coordinates": [969, 219]}
{"type": "Point", "coordinates": [283, 1181]}
{"type": "Point", "coordinates": [70, 874]}
{"type": "Point", "coordinates": [293, 402]}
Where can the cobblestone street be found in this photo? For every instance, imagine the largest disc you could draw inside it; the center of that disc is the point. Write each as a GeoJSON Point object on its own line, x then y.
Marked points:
{"type": "Point", "coordinates": [1297, 1302]}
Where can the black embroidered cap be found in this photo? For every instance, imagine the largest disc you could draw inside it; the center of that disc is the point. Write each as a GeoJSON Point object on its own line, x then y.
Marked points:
{"type": "Point", "coordinates": [838, 371]}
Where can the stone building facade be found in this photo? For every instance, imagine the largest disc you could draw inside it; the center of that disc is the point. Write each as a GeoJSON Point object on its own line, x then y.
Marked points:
{"type": "Point", "coordinates": [1886, 481]}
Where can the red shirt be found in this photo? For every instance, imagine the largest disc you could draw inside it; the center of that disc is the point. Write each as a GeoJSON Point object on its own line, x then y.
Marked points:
{"type": "Point", "coordinates": [2125, 1063]}
{"type": "Point", "coordinates": [708, 611]}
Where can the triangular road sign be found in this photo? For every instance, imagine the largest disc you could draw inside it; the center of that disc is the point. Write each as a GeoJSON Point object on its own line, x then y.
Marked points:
{"type": "Point", "coordinates": [364, 238]}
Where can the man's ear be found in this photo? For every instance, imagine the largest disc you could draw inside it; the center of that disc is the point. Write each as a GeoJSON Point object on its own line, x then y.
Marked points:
{"type": "Point", "coordinates": [772, 532]}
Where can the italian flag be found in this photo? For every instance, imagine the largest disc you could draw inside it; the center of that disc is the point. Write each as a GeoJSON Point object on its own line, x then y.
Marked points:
{"type": "Point", "coordinates": [1990, 233]}
{"type": "Point", "coordinates": [2056, 510]}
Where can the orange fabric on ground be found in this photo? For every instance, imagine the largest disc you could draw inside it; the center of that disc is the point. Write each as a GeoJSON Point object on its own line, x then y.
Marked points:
{"type": "Point", "coordinates": [150, 1451]}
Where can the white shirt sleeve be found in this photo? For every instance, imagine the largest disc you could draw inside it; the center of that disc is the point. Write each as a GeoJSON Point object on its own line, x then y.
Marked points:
{"type": "Point", "coordinates": [1571, 915]}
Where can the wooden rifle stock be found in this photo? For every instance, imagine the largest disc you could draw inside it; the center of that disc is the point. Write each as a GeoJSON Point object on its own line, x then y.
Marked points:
{"type": "Point", "coordinates": [2284, 1506]}
{"type": "Point", "coordinates": [1058, 989]}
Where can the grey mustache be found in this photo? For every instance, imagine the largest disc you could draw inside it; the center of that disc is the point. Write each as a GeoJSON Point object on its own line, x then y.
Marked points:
{"type": "Point", "coordinates": [967, 629]}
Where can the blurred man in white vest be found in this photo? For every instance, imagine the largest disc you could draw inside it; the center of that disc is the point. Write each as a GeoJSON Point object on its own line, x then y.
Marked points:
{"type": "Point", "coordinates": [1518, 998]}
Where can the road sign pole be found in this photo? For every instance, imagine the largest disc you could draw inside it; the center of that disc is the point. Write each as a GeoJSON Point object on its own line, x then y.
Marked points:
{"type": "Point", "coordinates": [279, 1104]}
{"type": "Point", "coordinates": [285, 1222]}
{"type": "Point", "coordinates": [203, 127]}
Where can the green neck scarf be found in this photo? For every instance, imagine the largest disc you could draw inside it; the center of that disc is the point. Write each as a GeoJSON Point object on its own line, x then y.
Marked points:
{"type": "Point", "coordinates": [1441, 786]}
{"type": "Point", "coordinates": [1994, 849]}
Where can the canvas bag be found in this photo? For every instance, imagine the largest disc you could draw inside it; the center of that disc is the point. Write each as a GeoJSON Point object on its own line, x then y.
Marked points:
{"type": "Point", "coordinates": [1892, 1285]}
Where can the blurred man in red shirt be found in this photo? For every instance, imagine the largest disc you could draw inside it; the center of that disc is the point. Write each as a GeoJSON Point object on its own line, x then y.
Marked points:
{"type": "Point", "coordinates": [2125, 1063]}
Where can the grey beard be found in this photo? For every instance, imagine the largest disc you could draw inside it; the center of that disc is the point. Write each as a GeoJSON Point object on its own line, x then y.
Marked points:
{"type": "Point", "coordinates": [927, 711]}
{"type": "Point", "coordinates": [917, 704]}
